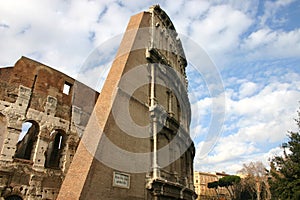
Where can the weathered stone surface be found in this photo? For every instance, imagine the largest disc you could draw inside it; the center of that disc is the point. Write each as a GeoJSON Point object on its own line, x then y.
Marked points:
{"type": "Point", "coordinates": [33, 92]}
{"type": "Point", "coordinates": [34, 165]}
{"type": "Point", "coordinates": [111, 143]}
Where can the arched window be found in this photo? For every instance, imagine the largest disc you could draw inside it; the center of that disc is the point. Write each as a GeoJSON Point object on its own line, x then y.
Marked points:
{"type": "Point", "coordinates": [163, 156]}
{"type": "Point", "coordinates": [13, 197]}
{"type": "Point", "coordinates": [177, 156]}
{"type": "Point", "coordinates": [55, 149]}
{"type": "Point", "coordinates": [27, 140]}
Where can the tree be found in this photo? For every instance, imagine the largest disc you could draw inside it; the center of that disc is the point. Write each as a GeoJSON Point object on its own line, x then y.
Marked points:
{"type": "Point", "coordinates": [256, 180]}
{"type": "Point", "coordinates": [285, 170]}
{"type": "Point", "coordinates": [244, 191]}
{"type": "Point", "coordinates": [214, 185]}
{"type": "Point", "coordinates": [229, 182]}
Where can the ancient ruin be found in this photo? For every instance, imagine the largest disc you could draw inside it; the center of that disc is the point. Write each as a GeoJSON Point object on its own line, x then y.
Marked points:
{"type": "Point", "coordinates": [41, 122]}
{"type": "Point", "coordinates": [137, 144]}
{"type": "Point", "coordinates": [132, 142]}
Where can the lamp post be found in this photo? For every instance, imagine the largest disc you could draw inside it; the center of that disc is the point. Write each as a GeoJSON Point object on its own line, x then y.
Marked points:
{"type": "Point", "coordinates": [284, 145]}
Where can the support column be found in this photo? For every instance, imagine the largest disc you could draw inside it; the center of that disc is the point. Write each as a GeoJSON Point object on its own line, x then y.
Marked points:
{"type": "Point", "coordinates": [154, 123]}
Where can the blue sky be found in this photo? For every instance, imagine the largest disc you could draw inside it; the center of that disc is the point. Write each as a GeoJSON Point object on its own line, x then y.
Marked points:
{"type": "Point", "coordinates": [255, 46]}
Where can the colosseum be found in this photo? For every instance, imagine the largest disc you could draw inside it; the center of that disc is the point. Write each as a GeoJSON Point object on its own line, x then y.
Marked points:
{"type": "Point", "coordinates": [129, 145]}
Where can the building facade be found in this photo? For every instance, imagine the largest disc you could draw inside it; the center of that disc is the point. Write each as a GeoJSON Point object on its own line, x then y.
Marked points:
{"type": "Point", "coordinates": [42, 118]}
{"type": "Point", "coordinates": [137, 145]}
{"type": "Point", "coordinates": [201, 179]}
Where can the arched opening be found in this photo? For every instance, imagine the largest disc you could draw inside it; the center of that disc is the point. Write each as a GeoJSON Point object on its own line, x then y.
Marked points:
{"type": "Point", "coordinates": [13, 197]}
{"type": "Point", "coordinates": [177, 157]}
{"type": "Point", "coordinates": [163, 156]}
{"type": "Point", "coordinates": [179, 117]}
{"type": "Point", "coordinates": [3, 130]}
{"type": "Point", "coordinates": [55, 149]}
{"type": "Point", "coordinates": [27, 140]}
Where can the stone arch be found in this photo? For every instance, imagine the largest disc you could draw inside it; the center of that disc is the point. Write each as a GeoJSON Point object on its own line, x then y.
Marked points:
{"type": "Point", "coordinates": [183, 165]}
{"type": "Point", "coordinates": [178, 112]}
{"type": "Point", "coordinates": [27, 140]}
{"type": "Point", "coordinates": [55, 149]}
{"type": "Point", "coordinates": [163, 141]}
{"type": "Point", "coordinates": [177, 155]}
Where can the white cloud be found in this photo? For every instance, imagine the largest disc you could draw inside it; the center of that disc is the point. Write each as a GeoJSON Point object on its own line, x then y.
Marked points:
{"type": "Point", "coordinates": [198, 131]}
{"type": "Point", "coordinates": [256, 121]}
{"type": "Point", "coordinates": [247, 89]}
{"type": "Point", "coordinates": [221, 29]}
{"type": "Point", "coordinates": [271, 8]}
{"type": "Point", "coordinates": [260, 38]}
{"type": "Point", "coordinates": [190, 12]}
{"type": "Point", "coordinates": [173, 7]}
{"type": "Point", "coordinates": [50, 32]}
{"type": "Point", "coordinates": [233, 164]}
{"type": "Point", "coordinates": [267, 40]}
{"type": "Point", "coordinates": [116, 18]}
{"type": "Point", "coordinates": [59, 34]}
{"type": "Point", "coordinates": [227, 156]}
{"type": "Point", "coordinates": [269, 43]}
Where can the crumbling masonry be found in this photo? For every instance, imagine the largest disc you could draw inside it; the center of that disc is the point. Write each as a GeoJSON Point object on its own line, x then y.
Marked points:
{"type": "Point", "coordinates": [44, 104]}
{"type": "Point", "coordinates": [52, 149]}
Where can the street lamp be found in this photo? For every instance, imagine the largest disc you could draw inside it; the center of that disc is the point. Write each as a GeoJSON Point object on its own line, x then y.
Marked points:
{"type": "Point", "coordinates": [284, 145]}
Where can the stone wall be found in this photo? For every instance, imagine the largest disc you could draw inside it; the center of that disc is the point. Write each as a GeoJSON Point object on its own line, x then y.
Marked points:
{"type": "Point", "coordinates": [137, 145]}
{"type": "Point", "coordinates": [32, 94]}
